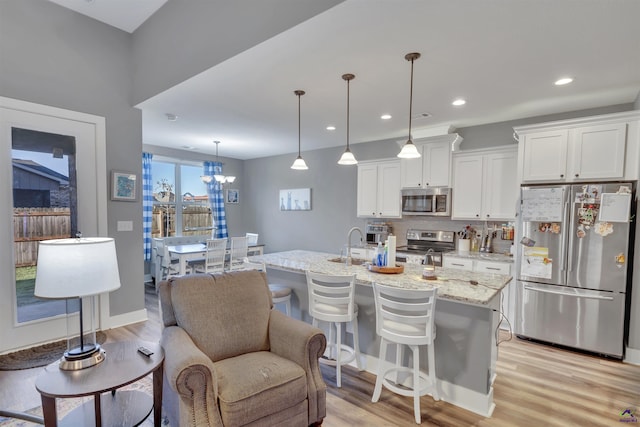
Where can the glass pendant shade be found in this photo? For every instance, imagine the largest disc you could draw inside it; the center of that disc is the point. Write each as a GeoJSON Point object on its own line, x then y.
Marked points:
{"type": "Point", "coordinates": [299, 164]}
{"type": "Point", "coordinates": [409, 150]}
{"type": "Point", "coordinates": [347, 158]}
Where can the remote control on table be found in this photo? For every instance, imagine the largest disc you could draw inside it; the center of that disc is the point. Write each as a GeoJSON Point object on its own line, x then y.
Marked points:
{"type": "Point", "coordinates": [145, 351]}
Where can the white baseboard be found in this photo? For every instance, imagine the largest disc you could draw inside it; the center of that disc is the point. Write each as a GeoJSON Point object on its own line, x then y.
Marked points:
{"type": "Point", "coordinates": [481, 404]}
{"type": "Point", "coordinates": [127, 319]}
{"type": "Point", "coordinates": [632, 356]}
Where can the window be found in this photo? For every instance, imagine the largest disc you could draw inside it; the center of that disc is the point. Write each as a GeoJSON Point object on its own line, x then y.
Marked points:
{"type": "Point", "coordinates": [186, 215]}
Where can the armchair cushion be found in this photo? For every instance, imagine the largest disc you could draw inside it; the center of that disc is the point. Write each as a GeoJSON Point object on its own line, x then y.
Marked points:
{"type": "Point", "coordinates": [254, 385]}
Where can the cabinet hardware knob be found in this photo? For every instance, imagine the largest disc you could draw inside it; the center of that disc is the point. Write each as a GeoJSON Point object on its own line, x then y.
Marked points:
{"type": "Point", "coordinates": [577, 175]}
{"type": "Point", "coordinates": [561, 175]}
{"type": "Point", "coordinates": [427, 184]}
{"type": "Point", "coordinates": [477, 215]}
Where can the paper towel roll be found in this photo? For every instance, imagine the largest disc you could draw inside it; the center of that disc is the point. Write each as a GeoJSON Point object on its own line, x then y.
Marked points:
{"type": "Point", "coordinates": [391, 257]}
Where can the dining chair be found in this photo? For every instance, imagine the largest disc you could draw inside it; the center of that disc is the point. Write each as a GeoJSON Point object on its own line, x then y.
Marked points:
{"type": "Point", "coordinates": [252, 239]}
{"type": "Point", "coordinates": [237, 253]}
{"type": "Point", "coordinates": [405, 317]}
{"type": "Point", "coordinates": [168, 267]}
{"type": "Point", "coordinates": [215, 257]}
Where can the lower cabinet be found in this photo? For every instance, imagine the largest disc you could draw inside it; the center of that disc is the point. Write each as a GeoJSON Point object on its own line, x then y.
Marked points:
{"type": "Point", "coordinates": [482, 266]}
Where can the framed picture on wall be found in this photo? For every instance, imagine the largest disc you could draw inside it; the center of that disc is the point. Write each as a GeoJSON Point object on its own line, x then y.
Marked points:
{"type": "Point", "coordinates": [123, 186]}
{"type": "Point", "coordinates": [295, 199]}
{"type": "Point", "coordinates": [233, 196]}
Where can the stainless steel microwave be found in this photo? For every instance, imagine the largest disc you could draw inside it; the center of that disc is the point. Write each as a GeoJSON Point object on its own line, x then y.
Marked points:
{"type": "Point", "coordinates": [427, 201]}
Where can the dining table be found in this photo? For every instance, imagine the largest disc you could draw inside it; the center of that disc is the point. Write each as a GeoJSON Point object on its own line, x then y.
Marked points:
{"type": "Point", "coordinates": [198, 252]}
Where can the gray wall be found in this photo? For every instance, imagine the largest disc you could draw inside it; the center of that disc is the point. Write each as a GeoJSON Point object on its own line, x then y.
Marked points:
{"type": "Point", "coordinates": [185, 38]}
{"type": "Point", "coordinates": [50, 55]}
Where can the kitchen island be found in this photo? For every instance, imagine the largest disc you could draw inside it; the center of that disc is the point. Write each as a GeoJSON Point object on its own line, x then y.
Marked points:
{"type": "Point", "coordinates": [467, 317]}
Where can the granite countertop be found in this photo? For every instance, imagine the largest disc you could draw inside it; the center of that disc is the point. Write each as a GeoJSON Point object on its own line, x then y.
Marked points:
{"type": "Point", "coordinates": [483, 256]}
{"type": "Point", "coordinates": [452, 284]}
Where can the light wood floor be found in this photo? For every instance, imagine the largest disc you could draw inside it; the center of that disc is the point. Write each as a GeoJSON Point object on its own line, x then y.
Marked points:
{"type": "Point", "coordinates": [536, 385]}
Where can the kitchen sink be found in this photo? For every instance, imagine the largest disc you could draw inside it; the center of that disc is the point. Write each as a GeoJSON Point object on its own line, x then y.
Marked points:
{"type": "Point", "coordinates": [354, 261]}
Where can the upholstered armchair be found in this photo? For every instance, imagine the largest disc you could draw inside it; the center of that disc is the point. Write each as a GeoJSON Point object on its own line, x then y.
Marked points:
{"type": "Point", "coordinates": [231, 360]}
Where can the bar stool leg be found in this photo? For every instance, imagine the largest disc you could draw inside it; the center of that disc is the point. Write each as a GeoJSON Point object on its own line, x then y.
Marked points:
{"type": "Point", "coordinates": [415, 350]}
{"type": "Point", "coordinates": [338, 354]}
{"type": "Point", "coordinates": [432, 372]}
{"type": "Point", "coordinates": [381, 370]}
{"type": "Point", "coordinates": [356, 343]}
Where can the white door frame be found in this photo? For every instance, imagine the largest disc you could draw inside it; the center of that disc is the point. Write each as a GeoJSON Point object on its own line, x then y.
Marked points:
{"type": "Point", "coordinates": [90, 132]}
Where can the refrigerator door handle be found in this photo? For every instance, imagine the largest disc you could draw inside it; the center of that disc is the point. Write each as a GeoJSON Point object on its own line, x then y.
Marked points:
{"type": "Point", "coordinates": [567, 235]}
{"type": "Point", "coordinates": [570, 235]}
{"type": "Point", "coordinates": [568, 294]}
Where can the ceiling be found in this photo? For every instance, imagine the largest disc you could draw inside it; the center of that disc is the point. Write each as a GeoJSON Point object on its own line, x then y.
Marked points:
{"type": "Point", "coordinates": [502, 56]}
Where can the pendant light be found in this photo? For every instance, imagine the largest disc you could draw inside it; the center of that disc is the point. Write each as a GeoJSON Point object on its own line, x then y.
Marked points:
{"type": "Point", "coordinates": [219, 178]}
{"type": "Point", "coordinates": [347, 157]}
{"type": "Point", "coordinates": [299, 163]}
{"type": "Point", "coordinates": [409, 150]}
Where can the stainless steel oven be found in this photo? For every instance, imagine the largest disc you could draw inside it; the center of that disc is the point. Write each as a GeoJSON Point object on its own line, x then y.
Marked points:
{"type": "Point", "coordinates": [427, 201]}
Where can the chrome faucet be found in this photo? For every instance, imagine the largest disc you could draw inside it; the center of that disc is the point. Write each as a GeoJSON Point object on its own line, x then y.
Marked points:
{"type": "Point", "coordinates": [349, 242]}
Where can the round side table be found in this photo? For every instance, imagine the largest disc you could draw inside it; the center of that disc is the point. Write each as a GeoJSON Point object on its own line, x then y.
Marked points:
{"type": "Point", "coordinates": [123, 365]}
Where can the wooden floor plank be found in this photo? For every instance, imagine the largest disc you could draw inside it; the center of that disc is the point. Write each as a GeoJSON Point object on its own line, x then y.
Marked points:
{"type": "Point", "coordinates": [536, 385]}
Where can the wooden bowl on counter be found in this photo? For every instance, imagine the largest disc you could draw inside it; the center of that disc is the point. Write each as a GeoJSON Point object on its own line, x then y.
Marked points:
{"type": "Point", "coordinates": [386, 269]}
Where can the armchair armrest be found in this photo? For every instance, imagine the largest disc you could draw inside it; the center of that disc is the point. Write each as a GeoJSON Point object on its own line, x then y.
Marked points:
{"type": "Point", "coordinates": [191, 374]}
{"type": "Point", "coordinates": [303, 344]}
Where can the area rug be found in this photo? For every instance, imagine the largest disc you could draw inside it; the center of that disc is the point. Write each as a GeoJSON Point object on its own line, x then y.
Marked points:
{"type": "Point", "coordinates": [41, 355]}
{"type": "Point", "coordinates": [64, 406]}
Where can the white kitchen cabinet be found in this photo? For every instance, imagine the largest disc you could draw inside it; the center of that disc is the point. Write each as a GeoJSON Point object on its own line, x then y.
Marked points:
{"type": "Point", "coordinates": [457, 263]}
{"type": "Point", "coordinates": [485, 185]}
{"type": "Point", "coordinates": [378, 193]}
{"type": "Point", "coordinates": [584, 149]}
{"type": "Point", "coordinates": [433, 168]}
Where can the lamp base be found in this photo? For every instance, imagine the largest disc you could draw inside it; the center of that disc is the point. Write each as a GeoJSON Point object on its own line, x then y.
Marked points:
{"type": "Point", "coordinates": [74, 360]}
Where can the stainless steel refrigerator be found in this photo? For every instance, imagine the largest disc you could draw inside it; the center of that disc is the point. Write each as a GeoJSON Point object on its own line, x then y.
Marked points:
{"type": "Point", "coordinates": [573, 264]}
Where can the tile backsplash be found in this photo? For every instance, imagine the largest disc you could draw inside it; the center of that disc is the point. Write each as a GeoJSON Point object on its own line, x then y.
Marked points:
{"type": "Point", "coordinates": [400, 227]}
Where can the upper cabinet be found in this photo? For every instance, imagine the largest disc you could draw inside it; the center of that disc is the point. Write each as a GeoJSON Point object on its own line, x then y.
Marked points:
{"type": "Point", "coordinates": [484, 184]}
{"type": "Point", "coordinates": [433, 169]}
{"type": "Point", "coordinates": [586, 149]}
{"type": "Point", "coordinates": [379, 189]}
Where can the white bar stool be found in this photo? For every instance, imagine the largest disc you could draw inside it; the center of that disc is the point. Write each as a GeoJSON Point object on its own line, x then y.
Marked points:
{"type": "Point", "coordinates": [332, 299]}
{"type": "Point", "coordinates": [279, 293]}
{"type": "Point", "coordinates": [406, 317]}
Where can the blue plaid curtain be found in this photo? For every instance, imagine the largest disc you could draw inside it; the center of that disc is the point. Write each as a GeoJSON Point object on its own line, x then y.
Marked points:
{"type": "Point", "coordinates": [216, 199]}
{"type": "Point", "coordinates": [147, 204]}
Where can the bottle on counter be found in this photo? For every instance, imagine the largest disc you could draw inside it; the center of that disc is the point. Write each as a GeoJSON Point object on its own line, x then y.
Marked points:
{"type": "Point", "coordinates": [377, 255]}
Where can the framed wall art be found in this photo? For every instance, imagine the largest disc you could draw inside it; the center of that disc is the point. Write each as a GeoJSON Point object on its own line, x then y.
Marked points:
{"type": "Point", "coordinates": [123, 186]}
{"type": "Point", "coordinates": [233, 196]}
{"type": "Point", "coordinates": [296, 199]}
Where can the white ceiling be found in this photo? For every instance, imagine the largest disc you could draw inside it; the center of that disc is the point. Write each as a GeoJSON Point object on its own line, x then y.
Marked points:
{"type": "Point", "coordinates": [502, 56]}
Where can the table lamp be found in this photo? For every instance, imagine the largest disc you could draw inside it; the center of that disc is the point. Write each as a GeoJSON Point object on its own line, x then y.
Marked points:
{"type": "Point", "coordinates": [78, 268]}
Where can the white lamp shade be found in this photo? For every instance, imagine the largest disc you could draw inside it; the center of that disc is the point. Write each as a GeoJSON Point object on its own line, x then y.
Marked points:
{"type": "Point", "coordinates": [69, 268]}
{"type": "Point", "coordinates": [347, 158]}
{"type": "Point", "coordinates": [299, 164]}
{"type": "Point", "coordinates": [230, 179]}
{"type": "Point", "coordinates": [409, 151]}
{"type": "Point", "coordinates": [206, 178]}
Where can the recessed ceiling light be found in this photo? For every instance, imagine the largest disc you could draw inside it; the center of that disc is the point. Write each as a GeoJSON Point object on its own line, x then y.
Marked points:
{"type": "Point", "coordinates": [171, 117]}
{"type": "Point", "coordinates": [331, 128]}
{"type": "Point", "coordinates": [385, 116]}
{"type": "Point", "coordinates": [563, 81]}
{"type": "Point", "coordinates": [458, 102]}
